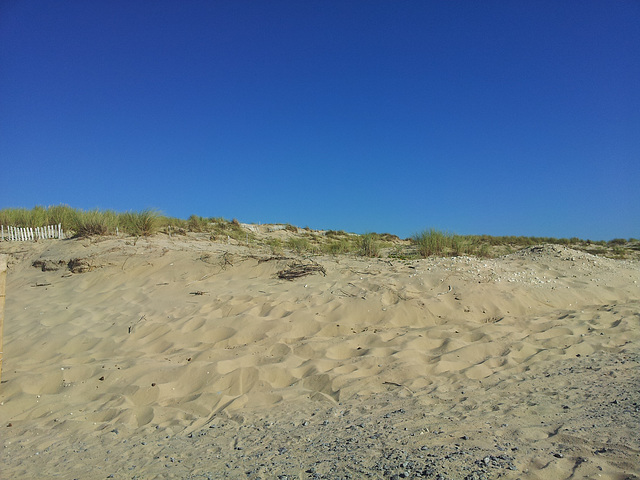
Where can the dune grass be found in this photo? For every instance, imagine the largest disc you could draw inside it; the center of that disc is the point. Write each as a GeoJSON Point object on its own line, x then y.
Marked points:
{"type": "Point", "coordinates": [338, 246]}
{"type": "Point", "coordinates": [140, 224]}
{"type": "Point", "coordinates": [431, 242]}
{"type": "Point", "coordinates": [299, 245]}
{"type": "Point", "coordinates": [86, 223]}
{"type": "Point", "coordinates": [94, 222]}
{"type": "Point", "coordinates": [434, 242]}
{"type": "Point", "coordinates": [369, 245]}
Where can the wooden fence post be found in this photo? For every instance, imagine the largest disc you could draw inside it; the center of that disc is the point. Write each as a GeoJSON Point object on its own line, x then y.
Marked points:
{"type": "Point", "coordinates": [3, 283]}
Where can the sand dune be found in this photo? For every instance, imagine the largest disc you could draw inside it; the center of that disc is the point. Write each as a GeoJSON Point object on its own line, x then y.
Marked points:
{"type": "Point", "coordinates": [182, 358]}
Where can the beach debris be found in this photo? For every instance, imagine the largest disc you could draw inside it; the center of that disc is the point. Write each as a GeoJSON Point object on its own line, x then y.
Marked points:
{"type": "Point", "coordinates": [80, 265]}
{"type": "Point", "coordinates": [444, 293]}
{"type": "Point", "coordinates": [198, 292]}
{"type": "Point", "coordinates": [227, 259]}
{"type": "Point", "coordinates": [49, 265]}
{"type": "Point", "coordinates": [75, 265]}
{"type": "Point", "coordinates": [139, 320]}
{"type": "Point", "coordinates": [271, 258]}
{"type": "Point", "coordinates": [301, 269]}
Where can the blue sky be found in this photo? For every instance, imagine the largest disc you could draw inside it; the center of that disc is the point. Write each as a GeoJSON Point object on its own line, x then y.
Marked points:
{"type": "Point", "coordinates": [493, 117]}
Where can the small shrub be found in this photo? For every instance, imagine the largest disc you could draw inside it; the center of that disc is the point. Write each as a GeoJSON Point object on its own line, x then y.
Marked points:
{"type": "Point", "coordinates": [618, 252]}
{"type": "Point", "coordinates": [617, 242]}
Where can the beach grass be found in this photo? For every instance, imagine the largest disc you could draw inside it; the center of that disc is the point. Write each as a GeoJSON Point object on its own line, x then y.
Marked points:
{"type": "Point", "coordinates": [430, 242]}
{"type": "Point", "coordinates": [140, 224]}
{"type": "Point", "coordinates": [369, 245]}
{"type": "Point", "coordinates": [299, 245]}
{"type": "Point", "coordinates": [338, 246]}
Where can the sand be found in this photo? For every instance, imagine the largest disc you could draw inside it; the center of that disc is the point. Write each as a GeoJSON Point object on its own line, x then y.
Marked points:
{"type": "Point", "coordinates": [178, 357]}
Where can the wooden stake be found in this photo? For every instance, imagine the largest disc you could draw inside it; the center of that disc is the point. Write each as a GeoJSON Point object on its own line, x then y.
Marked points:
{"type": "Point", "coordinates": [3, 283]}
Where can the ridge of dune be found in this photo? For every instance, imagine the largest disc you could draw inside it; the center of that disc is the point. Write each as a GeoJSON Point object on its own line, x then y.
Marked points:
{"type": "Point", "coordinates": [162, 340]}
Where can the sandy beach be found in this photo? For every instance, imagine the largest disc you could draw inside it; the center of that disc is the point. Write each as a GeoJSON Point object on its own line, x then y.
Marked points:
{"type": "Point", "coordinates": [179, 357]}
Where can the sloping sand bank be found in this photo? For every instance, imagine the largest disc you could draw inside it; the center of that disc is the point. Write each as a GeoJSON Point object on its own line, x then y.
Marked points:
{"type": "Point", "coordinates": [183, 358]}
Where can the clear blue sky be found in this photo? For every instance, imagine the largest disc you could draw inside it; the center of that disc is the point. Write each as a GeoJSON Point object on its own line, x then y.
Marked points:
{"type": "Point", "coordinates": [497, 117]}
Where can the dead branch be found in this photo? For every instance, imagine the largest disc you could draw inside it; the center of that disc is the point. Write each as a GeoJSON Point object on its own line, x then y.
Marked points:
{"type": "Point", "coordinates": [297, 270]}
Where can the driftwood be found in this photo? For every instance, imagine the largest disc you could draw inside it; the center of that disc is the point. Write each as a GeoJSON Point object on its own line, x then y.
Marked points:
{"type": "Point", "coordinates": [297, 270]}
{"type": "Point", "coordinates": [270, 259]}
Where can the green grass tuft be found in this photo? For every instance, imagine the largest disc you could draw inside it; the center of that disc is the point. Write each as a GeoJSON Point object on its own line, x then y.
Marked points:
{"type": "Point", "coordinates": [369, 245]}
{"type": "Point", "coordinates": [299, 245]}
{"type": "Point", "coordinates": [94, 222]}
{"type": "Point", "coordinates": [140, 224]}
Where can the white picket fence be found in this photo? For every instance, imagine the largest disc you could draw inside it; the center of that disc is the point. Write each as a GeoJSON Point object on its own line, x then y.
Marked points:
{"type": "Point", "coordinates": [17, 234]}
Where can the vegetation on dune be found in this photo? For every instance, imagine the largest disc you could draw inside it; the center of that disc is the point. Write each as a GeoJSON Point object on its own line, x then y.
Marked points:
{"type": "Point", "coordinates": [337, 247]}
{"type": "Point", "coordinates": [276, 246]}
{"type": "Point", "coordinates": [431, 242]}
{"type": "Point", "coordinates": [94, 222]}
{"type": "Point", "coordinates": [142, 223]}
{"type": "Point", "coordinates": [435, 242]}
{"type": "Point", "coordinates": [369, 245]}
{"type": "Point", "coordinates": [85, 223]}
{"type": "Point", "coordinates": [299, 245]}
